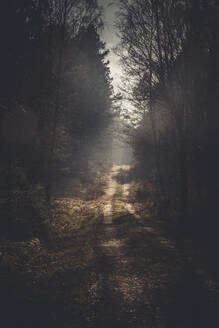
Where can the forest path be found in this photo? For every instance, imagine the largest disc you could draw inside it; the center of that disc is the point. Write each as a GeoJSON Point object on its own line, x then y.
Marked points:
{"type": "Point", "coordinates": [140, 278]}
{"type": "Point", "coordinates": [122, 279]}
{"type": "Point", "coordinates": [118, 284]}
{"type": "Point", "coordinates": [120, 270]}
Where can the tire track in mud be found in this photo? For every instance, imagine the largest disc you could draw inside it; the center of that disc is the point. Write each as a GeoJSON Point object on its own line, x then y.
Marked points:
{"type": "Point", "coordinates": [118, 285]}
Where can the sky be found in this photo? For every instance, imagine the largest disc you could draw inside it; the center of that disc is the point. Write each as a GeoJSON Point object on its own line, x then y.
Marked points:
{"type": "Point", "coordinates": [121, 151]}
{"type": "Point", "coordinates": [110, 38]}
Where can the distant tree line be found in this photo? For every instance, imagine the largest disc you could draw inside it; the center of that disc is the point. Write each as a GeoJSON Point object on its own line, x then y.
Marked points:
{"type": "Point", "coordinates": [55, 102]}
{"type": "Point", "coordinates": [170, 52]}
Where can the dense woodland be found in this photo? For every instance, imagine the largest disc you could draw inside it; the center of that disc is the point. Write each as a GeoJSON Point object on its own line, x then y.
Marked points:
{"type": "Point", "coordinates": [55, 104]}
{"type": "Point", "coordinates": [170, 50]}
{"type": "Point", "coordinates": [108, 202]}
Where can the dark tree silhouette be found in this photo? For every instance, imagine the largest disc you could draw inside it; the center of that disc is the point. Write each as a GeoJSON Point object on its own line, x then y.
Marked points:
{"type": "Point", "coordinates": [55, 101]}
{"type": "Point", "coordinates": [169, 49]}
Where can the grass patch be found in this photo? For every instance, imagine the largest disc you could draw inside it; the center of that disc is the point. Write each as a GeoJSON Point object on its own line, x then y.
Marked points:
{"type": "Point", "coordinates": [118, 195]}
{"type": "Point", "coordinates": [51, 277]}
{"type": "Point", "coordinates": [75, 214]}
{"type": "Point", "coordinates": [121, 216]}
{"type": "Point", "coordinates": [124, 218]}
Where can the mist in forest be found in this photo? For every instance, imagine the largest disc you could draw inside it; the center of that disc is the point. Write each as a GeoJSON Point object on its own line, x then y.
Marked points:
{"type": "Point", "coordinates": [109, 163]}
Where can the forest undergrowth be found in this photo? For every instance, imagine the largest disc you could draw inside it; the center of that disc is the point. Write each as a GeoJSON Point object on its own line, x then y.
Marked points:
{"type": "Point", "coordinates": [70, 279]}
{"type": "Point", "coordinates": [41, 274]}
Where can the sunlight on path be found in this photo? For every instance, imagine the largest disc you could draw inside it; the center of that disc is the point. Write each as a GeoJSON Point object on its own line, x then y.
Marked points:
{"type": "Point", "coordinates": [130, 208]}
{"type": "Point", "coordinates": [110, 191]}
{"type": "Point", "coordinates": [136, 264]}
{"type": "Point", "coordinates": [122, 281]}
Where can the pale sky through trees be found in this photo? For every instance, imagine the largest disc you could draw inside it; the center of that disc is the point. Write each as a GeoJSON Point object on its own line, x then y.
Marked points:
{"type": "Point", "coordinates": [109, 36]}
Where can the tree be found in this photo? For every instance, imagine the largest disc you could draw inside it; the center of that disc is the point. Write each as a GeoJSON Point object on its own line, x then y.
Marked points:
{"type": "Point", "coordinates": [51, 91]}
{"type": "Point", "coordinates": [86, 99]}
{"type": "Point", "coordinates": [167, 49]}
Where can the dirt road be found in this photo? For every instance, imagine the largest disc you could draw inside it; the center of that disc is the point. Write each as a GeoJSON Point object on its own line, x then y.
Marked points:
{"type": "Point", "coordinates": [140, 279]}
{"type": "Point", "coordinates": [119, 271]}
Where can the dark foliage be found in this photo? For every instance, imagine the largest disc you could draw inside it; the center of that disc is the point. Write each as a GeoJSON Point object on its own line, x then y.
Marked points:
{"type": "Point", "coordinates": [55, 102]}
{"type": "Point", "coordinates": [170, 49]}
